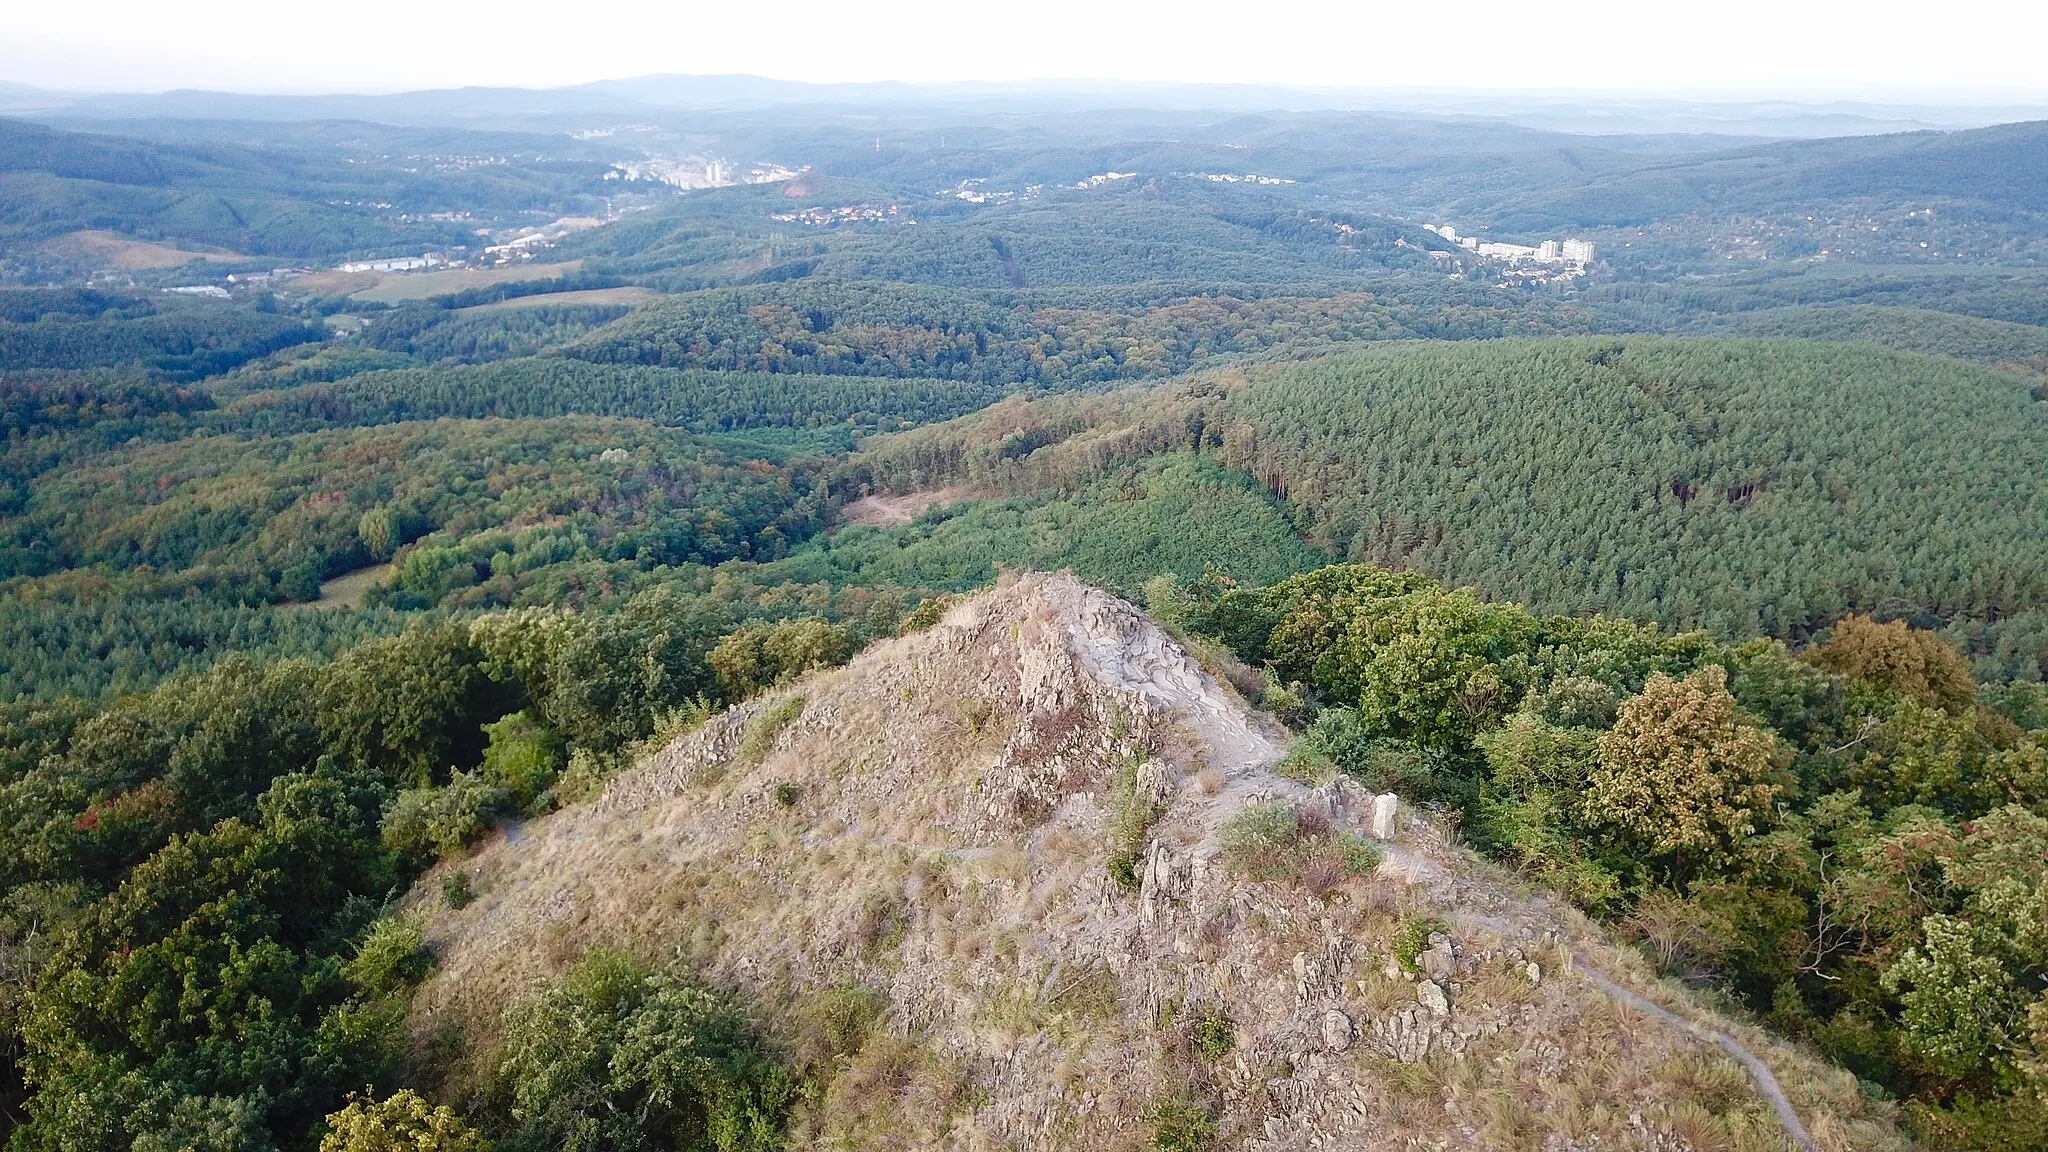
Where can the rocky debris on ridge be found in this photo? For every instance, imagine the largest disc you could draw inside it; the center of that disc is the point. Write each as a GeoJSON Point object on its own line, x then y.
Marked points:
{"type": "Point", "coordinates": [949, 849]}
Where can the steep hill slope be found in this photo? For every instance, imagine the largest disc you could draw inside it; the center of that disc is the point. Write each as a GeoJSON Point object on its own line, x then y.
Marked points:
{"type": "Point", "coordinates": [938, 824]}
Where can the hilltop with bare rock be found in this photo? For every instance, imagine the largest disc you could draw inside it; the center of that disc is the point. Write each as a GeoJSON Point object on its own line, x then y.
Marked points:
{"type": "Point", "coordinates": [1018, 842]}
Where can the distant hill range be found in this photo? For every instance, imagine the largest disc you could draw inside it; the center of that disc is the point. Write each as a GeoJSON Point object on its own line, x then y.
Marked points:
{"type": "Point", "coordinates": [1621, 115]}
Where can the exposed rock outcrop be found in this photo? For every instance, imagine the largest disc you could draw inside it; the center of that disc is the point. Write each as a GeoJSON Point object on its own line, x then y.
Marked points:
{"type": "Point", "coordinates": [962, 794]}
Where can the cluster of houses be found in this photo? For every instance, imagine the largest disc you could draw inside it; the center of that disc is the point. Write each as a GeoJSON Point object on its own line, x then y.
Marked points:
{"type": "Point", "coordinates": [1574, 253]}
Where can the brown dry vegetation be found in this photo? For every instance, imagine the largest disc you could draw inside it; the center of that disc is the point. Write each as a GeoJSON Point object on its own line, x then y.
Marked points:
{"type": "Point", "coordinates": [884, 510]}
{"type": "Point", "coordinates": [127, 254]}
{"type": "Point", "coordinates": [908, 881]}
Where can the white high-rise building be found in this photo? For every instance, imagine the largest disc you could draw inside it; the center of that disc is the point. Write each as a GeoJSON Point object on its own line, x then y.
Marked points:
{"type": "Point", "coordinates": [1547, 251]}
{"type": "Point", "coordinates": [1578, 251]}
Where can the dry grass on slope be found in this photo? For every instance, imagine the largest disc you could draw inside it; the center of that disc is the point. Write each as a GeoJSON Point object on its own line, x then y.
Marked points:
{"type": "Point", "coordinates": [903, 866]}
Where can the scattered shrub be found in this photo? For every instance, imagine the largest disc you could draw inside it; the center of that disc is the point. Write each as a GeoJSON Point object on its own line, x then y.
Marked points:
{"type": "Point", "coordinates": [425, 823]}
{"type": "Point", "coordinates": [836, 1023]}
{"type": "Point", "coordinates": [403, 1122]}
{"type": "Point", "coordinates": [1213, 1034]}
{"type": "Point", "coordinates": [1181, 1123]}
{"type": "Point", "coordinates": [585, 778]}
{"type": "Point", "coordinates": [1089, 992]}
{"type": "Point", "coordinates": [895, 1092]}
{"type": "Point", "coordinates": [766, 727]}
{"type": "Point", "coordinates": [1260, 840]}
{"type": "Point", "coordinates": [455, 890]}
{"type": "Point", "coordinates": [1124, 870]}
{"type": "Point", "coordinates": [786, 794]}
{"type": "Point", "coordinates": [927, 614]}
{"type": "Point", "coordinates": [616, 1058]}
{"type": "Point", "coordinates": [1411, 940]}
{"type": "Point", "coordinates": [1131, 812]}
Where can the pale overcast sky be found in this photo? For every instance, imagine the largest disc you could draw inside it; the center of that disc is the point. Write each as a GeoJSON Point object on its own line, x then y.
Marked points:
{"type": "Point", "coordinates": [1864, 48]}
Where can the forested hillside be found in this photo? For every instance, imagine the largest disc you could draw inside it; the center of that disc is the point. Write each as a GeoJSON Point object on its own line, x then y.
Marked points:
{"type": "Point", "coordinates": [1740, 486]}
{"type": "Point", "coordinates": [275, 202]}
{"type": "Point", "coordinates": [1996, 342]}
{"type": "Point", "coordinates": [1852, 840]}
{"type": "Point", "coordinates": [315, 579]}
{"type": "Point", "coordinates": [884, 329]}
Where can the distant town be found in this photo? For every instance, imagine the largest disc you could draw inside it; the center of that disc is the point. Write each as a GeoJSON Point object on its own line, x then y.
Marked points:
{"type": "Point", "coordinates": [694, 172]}
{"type": "Point", "coordinates": [1566, 257]}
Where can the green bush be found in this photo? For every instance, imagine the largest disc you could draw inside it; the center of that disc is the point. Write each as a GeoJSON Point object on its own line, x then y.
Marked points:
{"type": "Point", "coordinates": [1181, 1123]}
{"type": "Point", "coordinates": [1261, 841]}
{"type": "Point", "coordinates": [760, 656]}
{"type": "Point", "coordinates": [1305, 764]}
{"type": "Point", "coordinates": [523, 757]}
{"type": "Point", "coordinates": [1411, 940]}
{"type": "Point", "coordinates": [618, 1059]}
{"type": "Point", "coordinates": [427, 823]}
{"type": "Point", "coordinates": [1213, 1034]}
{"type": "Point", "coordinates": [1286, 702]}
{"type": "Point", "coordinates": [391, 958]}
{"type": "Point", "coordinates": [1360, 855]}
{"type": "Point", "coordinates": [1342, 736]}
{"type": "Point", "coordinates": [766, 727]}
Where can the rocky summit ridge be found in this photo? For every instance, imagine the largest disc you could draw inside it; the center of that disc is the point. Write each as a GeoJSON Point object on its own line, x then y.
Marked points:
{"type": "Point", "coordinates": [935, 830]}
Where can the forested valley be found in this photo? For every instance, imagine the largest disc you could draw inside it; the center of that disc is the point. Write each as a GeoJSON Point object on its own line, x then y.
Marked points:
{"type": "Point", "coordinates": [1709, 596]}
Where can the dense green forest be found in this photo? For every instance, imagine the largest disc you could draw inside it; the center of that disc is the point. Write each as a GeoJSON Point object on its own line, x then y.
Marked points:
{"type": "Point", "coordinates": [301, 592]}
{"type": "Point", "coordinates": [1852, 838]}
{"type": "Point", "coordinates": [168, 340]}
{"type": "Point", "coordinates": [323, 199]}
{"type": "Point", "coordinates": [1739, 486]}
{"type": "Point", "coordinates": [534, 387]}
{"type": "Point", "coordinates": [1997, 342]}
{"type": "Point", "coordinates": [887, 329]}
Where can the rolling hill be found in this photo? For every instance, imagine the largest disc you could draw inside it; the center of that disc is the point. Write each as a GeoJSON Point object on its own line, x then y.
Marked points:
{"type": "Point", "coordinates": [1737, 485]}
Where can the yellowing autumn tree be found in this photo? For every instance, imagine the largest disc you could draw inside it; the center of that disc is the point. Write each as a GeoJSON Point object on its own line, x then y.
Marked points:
{"type": "Point", "coordinates": [1914, 663]}
{"type": "Point", "coordinates": [1680, 772]}
{"type": "Point", "coordinates": [401, 1123]}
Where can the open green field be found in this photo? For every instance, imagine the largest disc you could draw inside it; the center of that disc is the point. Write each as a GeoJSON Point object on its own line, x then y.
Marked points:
{"type": "Point", "coordinates": [394, 287]}
{"type": "Point", "coordinates": [397, 287]}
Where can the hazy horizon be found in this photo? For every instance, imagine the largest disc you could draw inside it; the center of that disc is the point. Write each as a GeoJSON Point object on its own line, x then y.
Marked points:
{"type": "Point", "coordinates": [1087, 85]}
{"type": "Point", "coordinates": [1575, 49]}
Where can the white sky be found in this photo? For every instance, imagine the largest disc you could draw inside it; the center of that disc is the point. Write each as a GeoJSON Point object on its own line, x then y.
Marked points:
{"type": "Point", "coordinates": [1863, 48]}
